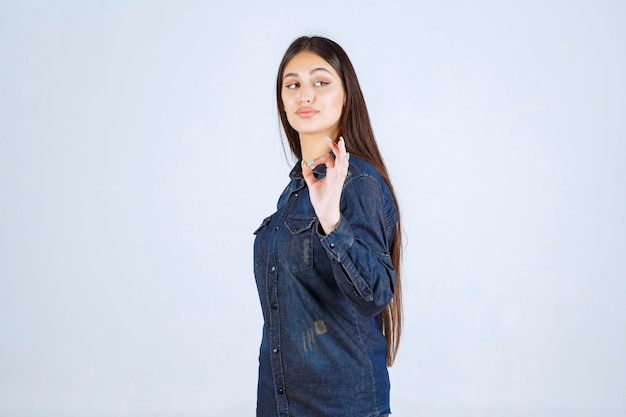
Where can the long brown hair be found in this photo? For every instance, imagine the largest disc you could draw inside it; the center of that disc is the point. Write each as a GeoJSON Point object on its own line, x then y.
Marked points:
{"type": "Point", "coordinates": [356, 127]}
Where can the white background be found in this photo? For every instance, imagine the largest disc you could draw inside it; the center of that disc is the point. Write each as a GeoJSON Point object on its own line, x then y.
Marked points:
{"type": "Point", "coordinates": [140, 148]}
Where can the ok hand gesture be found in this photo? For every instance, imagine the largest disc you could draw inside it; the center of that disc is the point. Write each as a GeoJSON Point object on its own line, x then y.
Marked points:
{"type": "Point", "coordinates": [325, 194]}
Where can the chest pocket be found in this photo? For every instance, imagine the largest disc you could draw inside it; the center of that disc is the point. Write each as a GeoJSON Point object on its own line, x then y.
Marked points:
{"type": "Point", "coordinates": [298, 243]}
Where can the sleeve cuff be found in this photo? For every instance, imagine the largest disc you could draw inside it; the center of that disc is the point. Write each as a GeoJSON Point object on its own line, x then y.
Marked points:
{"type": "Point", "coordinates": [338, 241]}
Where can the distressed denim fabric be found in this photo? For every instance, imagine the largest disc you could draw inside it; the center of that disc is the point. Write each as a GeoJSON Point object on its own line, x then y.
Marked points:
{"type": "Point", "coordinates": [322, 351]}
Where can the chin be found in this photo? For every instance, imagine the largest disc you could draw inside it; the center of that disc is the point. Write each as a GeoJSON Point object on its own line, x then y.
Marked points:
{"type": "Point", "coordinates": [308, 130]}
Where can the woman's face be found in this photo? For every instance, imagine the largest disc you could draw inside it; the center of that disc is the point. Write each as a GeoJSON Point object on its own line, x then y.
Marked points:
{"type": "Point", "coordinates": [313, 96]}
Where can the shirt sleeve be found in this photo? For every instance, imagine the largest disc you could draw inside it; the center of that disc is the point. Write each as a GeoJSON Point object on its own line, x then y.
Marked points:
{"type": "Point", "coordinates": [359, 247]}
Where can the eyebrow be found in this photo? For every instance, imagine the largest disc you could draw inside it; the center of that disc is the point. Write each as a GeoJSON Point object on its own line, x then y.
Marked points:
{"type": "Point", "coordinates": [295, 74]}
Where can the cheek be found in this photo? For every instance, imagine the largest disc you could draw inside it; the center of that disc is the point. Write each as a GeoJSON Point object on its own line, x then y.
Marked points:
{"type": "Point", "coordinates": [338, 103]}
{"type": "Point", "coordinates": [287, 100]}
{"type": "Point", "coordinates": [339, 99]}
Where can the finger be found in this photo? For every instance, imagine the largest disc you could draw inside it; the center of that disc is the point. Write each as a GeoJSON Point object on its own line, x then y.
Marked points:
{"type": "Point", "coordinates": [307, 173]}
{"type": "Point", "coordinates": [333, 145]}
{"type": "Point", "coordinates": [327, 160]}
{"type": "Point", "coordinates": [343, 156]}
{"type": "Point", "coordinates": [341, 145]}
{"type": "Point", "coordinates": [338, 149]}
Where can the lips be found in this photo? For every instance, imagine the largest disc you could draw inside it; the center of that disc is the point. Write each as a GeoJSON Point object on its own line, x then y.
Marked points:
{"type": "Point", "coordinates": [306, 112]}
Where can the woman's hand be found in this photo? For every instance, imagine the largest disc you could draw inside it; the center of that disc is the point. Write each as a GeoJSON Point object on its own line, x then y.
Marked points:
{"type": "Point", "coordinates": [325, 194]}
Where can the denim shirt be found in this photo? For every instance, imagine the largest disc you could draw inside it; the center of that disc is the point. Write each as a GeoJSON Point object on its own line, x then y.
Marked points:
{"type": "Point", "coordinates": [323, 352]}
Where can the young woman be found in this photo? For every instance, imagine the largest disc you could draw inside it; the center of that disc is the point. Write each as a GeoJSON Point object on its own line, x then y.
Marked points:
{"type": "Point", "coordinates": [327, 261]}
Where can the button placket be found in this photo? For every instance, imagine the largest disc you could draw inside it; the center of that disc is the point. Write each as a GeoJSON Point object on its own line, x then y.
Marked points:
{"type": "Point", "coordinates": [276, 359]}
{"type": "Point", "coordinates": [274, 314]}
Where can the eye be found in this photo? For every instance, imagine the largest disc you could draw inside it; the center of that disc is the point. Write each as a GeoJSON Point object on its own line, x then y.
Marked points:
{"type": "Point", "coordinates": [291, 86]}
{"type": "Point", "coordinates": [321, 83]}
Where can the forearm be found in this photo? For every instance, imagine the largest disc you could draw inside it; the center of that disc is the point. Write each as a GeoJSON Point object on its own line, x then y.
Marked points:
{"type": "Point", "coordinates": [363, 272]}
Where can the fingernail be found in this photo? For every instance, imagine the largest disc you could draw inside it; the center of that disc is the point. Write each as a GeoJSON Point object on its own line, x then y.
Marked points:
{"type": "Point", "coordinates": [303, 162]}
{"type": "Point", "coordinates": [348, 156]}
{"type": "Point", "coordinates": [328, 139]}
{"type": "Point", "coordinates": [310, 162]}
{"type": "Point", "coordinates": [341, 139]}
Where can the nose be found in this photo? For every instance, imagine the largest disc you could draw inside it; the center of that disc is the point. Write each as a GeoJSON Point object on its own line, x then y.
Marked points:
{"type": "Point", "coordinates": [306, 95]}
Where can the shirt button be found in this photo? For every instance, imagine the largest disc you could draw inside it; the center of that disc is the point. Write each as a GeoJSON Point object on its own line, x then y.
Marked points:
{"type": "Point", "coordinates": [281, 391]}
{"type": "Point", "coordinates": [332, 245]}
{"type": "Point", "coordinates": [275, 350]}
{"type": "Point", "coordinates": [273, 268]}
{"type": "Point", "coordinates": [277, 227]}
{"type": "Point", "coordinates": [275, 305]}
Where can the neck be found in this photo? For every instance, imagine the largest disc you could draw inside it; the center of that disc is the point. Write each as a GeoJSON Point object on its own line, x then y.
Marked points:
{"type": "Point", "coordinates": [314, 146]}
